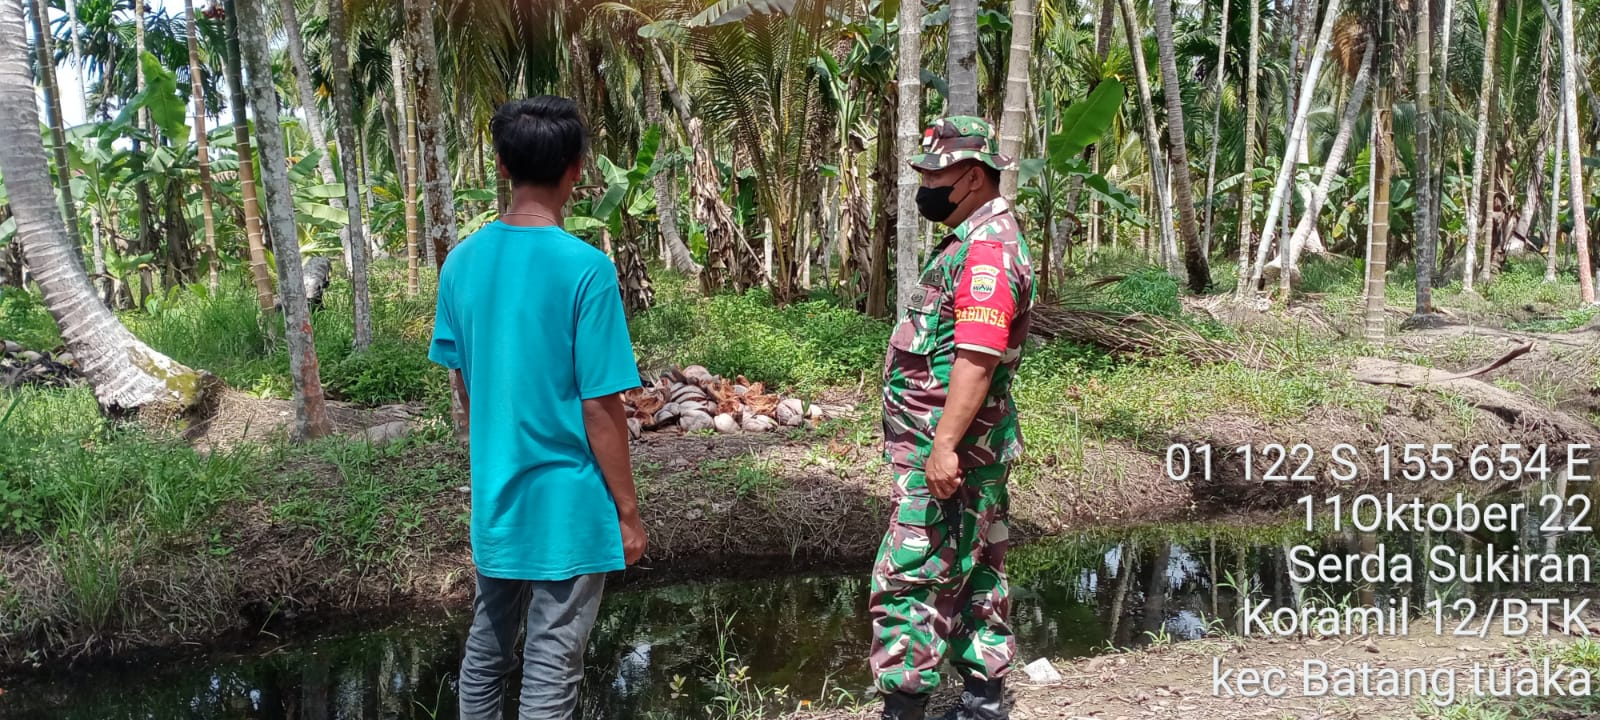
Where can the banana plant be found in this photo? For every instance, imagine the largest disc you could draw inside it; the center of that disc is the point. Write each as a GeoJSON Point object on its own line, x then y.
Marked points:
{"type": "Point", "coordinates": [626, 191]}
{"type": "Point", "coordinates": [1082, 123]}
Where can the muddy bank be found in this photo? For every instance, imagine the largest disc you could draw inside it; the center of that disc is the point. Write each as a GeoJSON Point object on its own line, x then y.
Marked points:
{"type": "Point", "coordinates": [1174, 682]}
{"type": "Point", "coordinates": [354, 529]}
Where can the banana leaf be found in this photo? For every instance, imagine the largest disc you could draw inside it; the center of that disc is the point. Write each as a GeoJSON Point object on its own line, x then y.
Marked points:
{"type": "Point", "coordinates": [1084, 122]}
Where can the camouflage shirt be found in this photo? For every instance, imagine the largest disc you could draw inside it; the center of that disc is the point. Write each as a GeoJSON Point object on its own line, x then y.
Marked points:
{"type": "Point", "coordinates": [976, 293]}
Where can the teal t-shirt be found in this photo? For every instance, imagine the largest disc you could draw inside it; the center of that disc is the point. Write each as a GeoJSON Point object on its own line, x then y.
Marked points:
{"type": "Point", "coordinates": [532, 317]}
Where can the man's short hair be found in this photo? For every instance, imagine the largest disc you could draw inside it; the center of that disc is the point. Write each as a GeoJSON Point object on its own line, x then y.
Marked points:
{"type": "Point", "coordinates": [539, 138]}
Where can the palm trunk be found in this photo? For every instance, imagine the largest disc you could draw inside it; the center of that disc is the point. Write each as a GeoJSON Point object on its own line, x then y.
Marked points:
{"type": "Point", "coordinates": [1286, 168]}
{"type": "Point", "coordinates": [1530, 205]}
{"type": "Point", "coordinates": [311, 417]}
{"type": "Point", "coordinates": [1378, 238]}
{"type": "Point", "coordinates": [1014, 117]}
{"type": "Point", "coordinates": [202, 156]}
{"type": "Point", "coordinates": [1569, 102]}
{"type": "Point", "coordinates": [1427, 225]}
{"type": "Point", "coordinates": [345, 130]}
{"type": "Point", "coordinates": [1216, 130]}
{"type": "Point", "coordinates": [247, 173]}
{"type": "Point", "coordinates": [723, 235]}
{"type": "Point", "coordinates": [908, 130]}
{"type": "Point", "coordinates": [436, 191]}
{"type": "Point", "coordinates": [1247, 185]}
{"type": "Point", "coordinates": [1335, 162]}
{"type": "Point", "coordinates": [1194, 259]}
{"type": "Point", "coordinates": [126, 374]}
{"type": "Point", "coordinates": [961, 58]}
{"type": "Point", "coordinates": [1553, 234]}
{"type": "Point", "coordinates": [407, 121]}
{"type": "Point", "coordinates": [58, 133]}
{"type": "Point", "coordinates": [678, 254]}
{"type": "Point", "coordinates": [97, 243]}
{"type": "Point", "coordinates": [302, 83]}
{"type": "Point", "coordinates": [883, 179]}
{"type": "Point", "coordinates": [1152, 144]}
{"type": "Point", "coordinates": [147, 240]}
{"type": "Point", "coordinates": [1446, 31]}
{"type": "Point", "coordinates": [1476, 200]}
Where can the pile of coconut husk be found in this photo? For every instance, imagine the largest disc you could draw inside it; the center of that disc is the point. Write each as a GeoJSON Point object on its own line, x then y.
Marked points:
{"type": "Point", "coordinates": [19, 367]}
{"type": "Point", "coordinates": [693, 399]}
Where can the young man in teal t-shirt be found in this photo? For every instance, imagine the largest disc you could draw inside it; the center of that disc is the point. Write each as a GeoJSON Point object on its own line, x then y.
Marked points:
{"type": "Point", "coordinates": [530, 323]}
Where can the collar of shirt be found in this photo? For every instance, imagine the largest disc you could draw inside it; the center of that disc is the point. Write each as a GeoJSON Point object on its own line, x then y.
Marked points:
{"type": "Point", "coordinates": [983, 214]}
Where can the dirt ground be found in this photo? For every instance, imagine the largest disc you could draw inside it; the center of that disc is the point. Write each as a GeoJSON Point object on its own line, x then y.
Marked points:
{"type": "Point", "coordinates": [1176, 682]}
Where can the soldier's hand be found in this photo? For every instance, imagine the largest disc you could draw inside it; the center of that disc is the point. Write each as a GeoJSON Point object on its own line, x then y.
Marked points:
{"type": "Point", "coordinates": [943, 473]}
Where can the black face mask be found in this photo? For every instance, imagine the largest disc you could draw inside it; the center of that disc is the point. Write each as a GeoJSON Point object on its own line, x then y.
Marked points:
{"type": "Point", "coordinates": [934, 202]}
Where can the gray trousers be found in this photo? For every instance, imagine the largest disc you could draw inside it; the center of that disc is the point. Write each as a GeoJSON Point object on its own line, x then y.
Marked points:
{"type": "Point", "coordinates": [559, 615]}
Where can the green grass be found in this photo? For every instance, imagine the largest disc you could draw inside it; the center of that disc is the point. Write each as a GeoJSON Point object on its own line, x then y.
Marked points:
{"type": "Point", "coordinates": [370, 511]}
{"type": "Point", "coordinates": [806, 346]}
{"type": "Point", "coordinates": [1582, 653]}
{"type": "Point", "coordinates": [96, 497]}
{"type": "Point", "coordinates": [24, 320]}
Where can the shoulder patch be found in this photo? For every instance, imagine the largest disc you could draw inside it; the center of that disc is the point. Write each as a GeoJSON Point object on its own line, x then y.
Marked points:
{"type": "Point", "coordinates": [984, 280]}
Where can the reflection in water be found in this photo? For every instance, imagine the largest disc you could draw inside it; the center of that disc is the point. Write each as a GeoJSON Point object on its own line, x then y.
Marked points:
{"type": "Point", "coordinates": [1072, 597]}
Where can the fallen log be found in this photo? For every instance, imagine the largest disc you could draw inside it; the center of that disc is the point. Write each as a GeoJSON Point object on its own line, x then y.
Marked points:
{"type": "Point", "coordinates": [1406, 375]}
{"type": "Point", "coordinates": [1514, 409]}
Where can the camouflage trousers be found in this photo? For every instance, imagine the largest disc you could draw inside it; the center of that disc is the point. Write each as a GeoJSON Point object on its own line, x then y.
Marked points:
{"type": "Point", "coordinates": [939, 583]}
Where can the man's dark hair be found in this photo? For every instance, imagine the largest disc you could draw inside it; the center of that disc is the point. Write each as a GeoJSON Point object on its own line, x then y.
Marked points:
{"type": "Point", "coordinates": [538, 138]}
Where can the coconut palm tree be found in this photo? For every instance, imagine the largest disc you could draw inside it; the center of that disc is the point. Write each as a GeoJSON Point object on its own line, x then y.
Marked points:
{"type": "Point", "coordinates": [1152, 142]}
{"type": "Point", "coordinates": [1296, 133]}
{"type": "Point", "coordinates": [432, 122]}
{"type": "Point", "coordinates": [311, 417]}
{"type": "Point", "coordinates": [202, 154]}
{"type": "Point", "coordinates": [345, 131]}
{"type": "Point", "coordinates": [1013, 117]}
{"type": "Point", "coordinates": [290, 19]}
{"type": "Point", "coordinates": [961, 57]}
{"type": "Point", "coordinates": [247, 179]}
{"type": "Point", "coordinates": [126, 373]}
{"type": "Point", "coordinates": [1476, 199]}
{"type": "Point", "coordinates": [1331, 168]}
{"type": "Point", "coordinates": [761, 78]}
{"type": "Point", "coordinates": [1194, 258]}
{"type": "Point", "coordinates": [677, 253]}
{"type": "Point", "coordinates": [407, 121]}
{"type": "Point", "coordinates": [1247, 185]}
{"type": "Point", "coordinates": [1427, 242]}
{"type": "Point", "coordinates": [1216, 123]}
{"type": "Point", "coordinates": [58, 133]}
{"type": "Point", "coordinates": [1569, 102]}
{"type": "Point", "coordinates": [907, 132]}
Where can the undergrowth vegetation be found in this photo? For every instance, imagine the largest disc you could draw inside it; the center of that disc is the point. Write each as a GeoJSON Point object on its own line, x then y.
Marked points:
{"type": "Point", "coordinates": [97, 503]}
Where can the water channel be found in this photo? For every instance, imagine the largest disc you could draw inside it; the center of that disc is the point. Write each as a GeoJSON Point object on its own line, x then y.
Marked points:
{"type": "Point", "coordinates": [655, 651]}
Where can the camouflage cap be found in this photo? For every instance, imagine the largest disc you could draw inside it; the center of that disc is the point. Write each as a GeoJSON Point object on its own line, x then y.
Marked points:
{"type": "Point", "coordinates": [954, 139]}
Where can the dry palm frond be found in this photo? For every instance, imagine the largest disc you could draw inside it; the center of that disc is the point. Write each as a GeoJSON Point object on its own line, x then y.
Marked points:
{"type": "Point", "coordinates": [1126, 333]}
{"type": "Point", "coordinates": [1349, 43]}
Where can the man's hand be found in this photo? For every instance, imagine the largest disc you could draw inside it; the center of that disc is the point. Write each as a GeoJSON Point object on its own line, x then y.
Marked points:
{"type": "Point", "coordinates": [942, 472]}
{"type": "Point", "coordinates": [633, 539]}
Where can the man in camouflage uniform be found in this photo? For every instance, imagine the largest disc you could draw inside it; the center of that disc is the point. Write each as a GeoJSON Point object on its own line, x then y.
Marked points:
{"type": "Point", "coordinates": [950, 432]}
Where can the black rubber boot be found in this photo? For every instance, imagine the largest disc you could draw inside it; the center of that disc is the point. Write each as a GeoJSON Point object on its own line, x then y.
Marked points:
{"type": "Point", "coordinates": [904, 706]}
{"type": "Point", "coordinates": [981, 700]}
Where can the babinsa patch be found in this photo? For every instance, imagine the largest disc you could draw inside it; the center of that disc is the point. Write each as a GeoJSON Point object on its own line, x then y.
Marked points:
{"type": "Point", "coordinates": [984, 280]}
